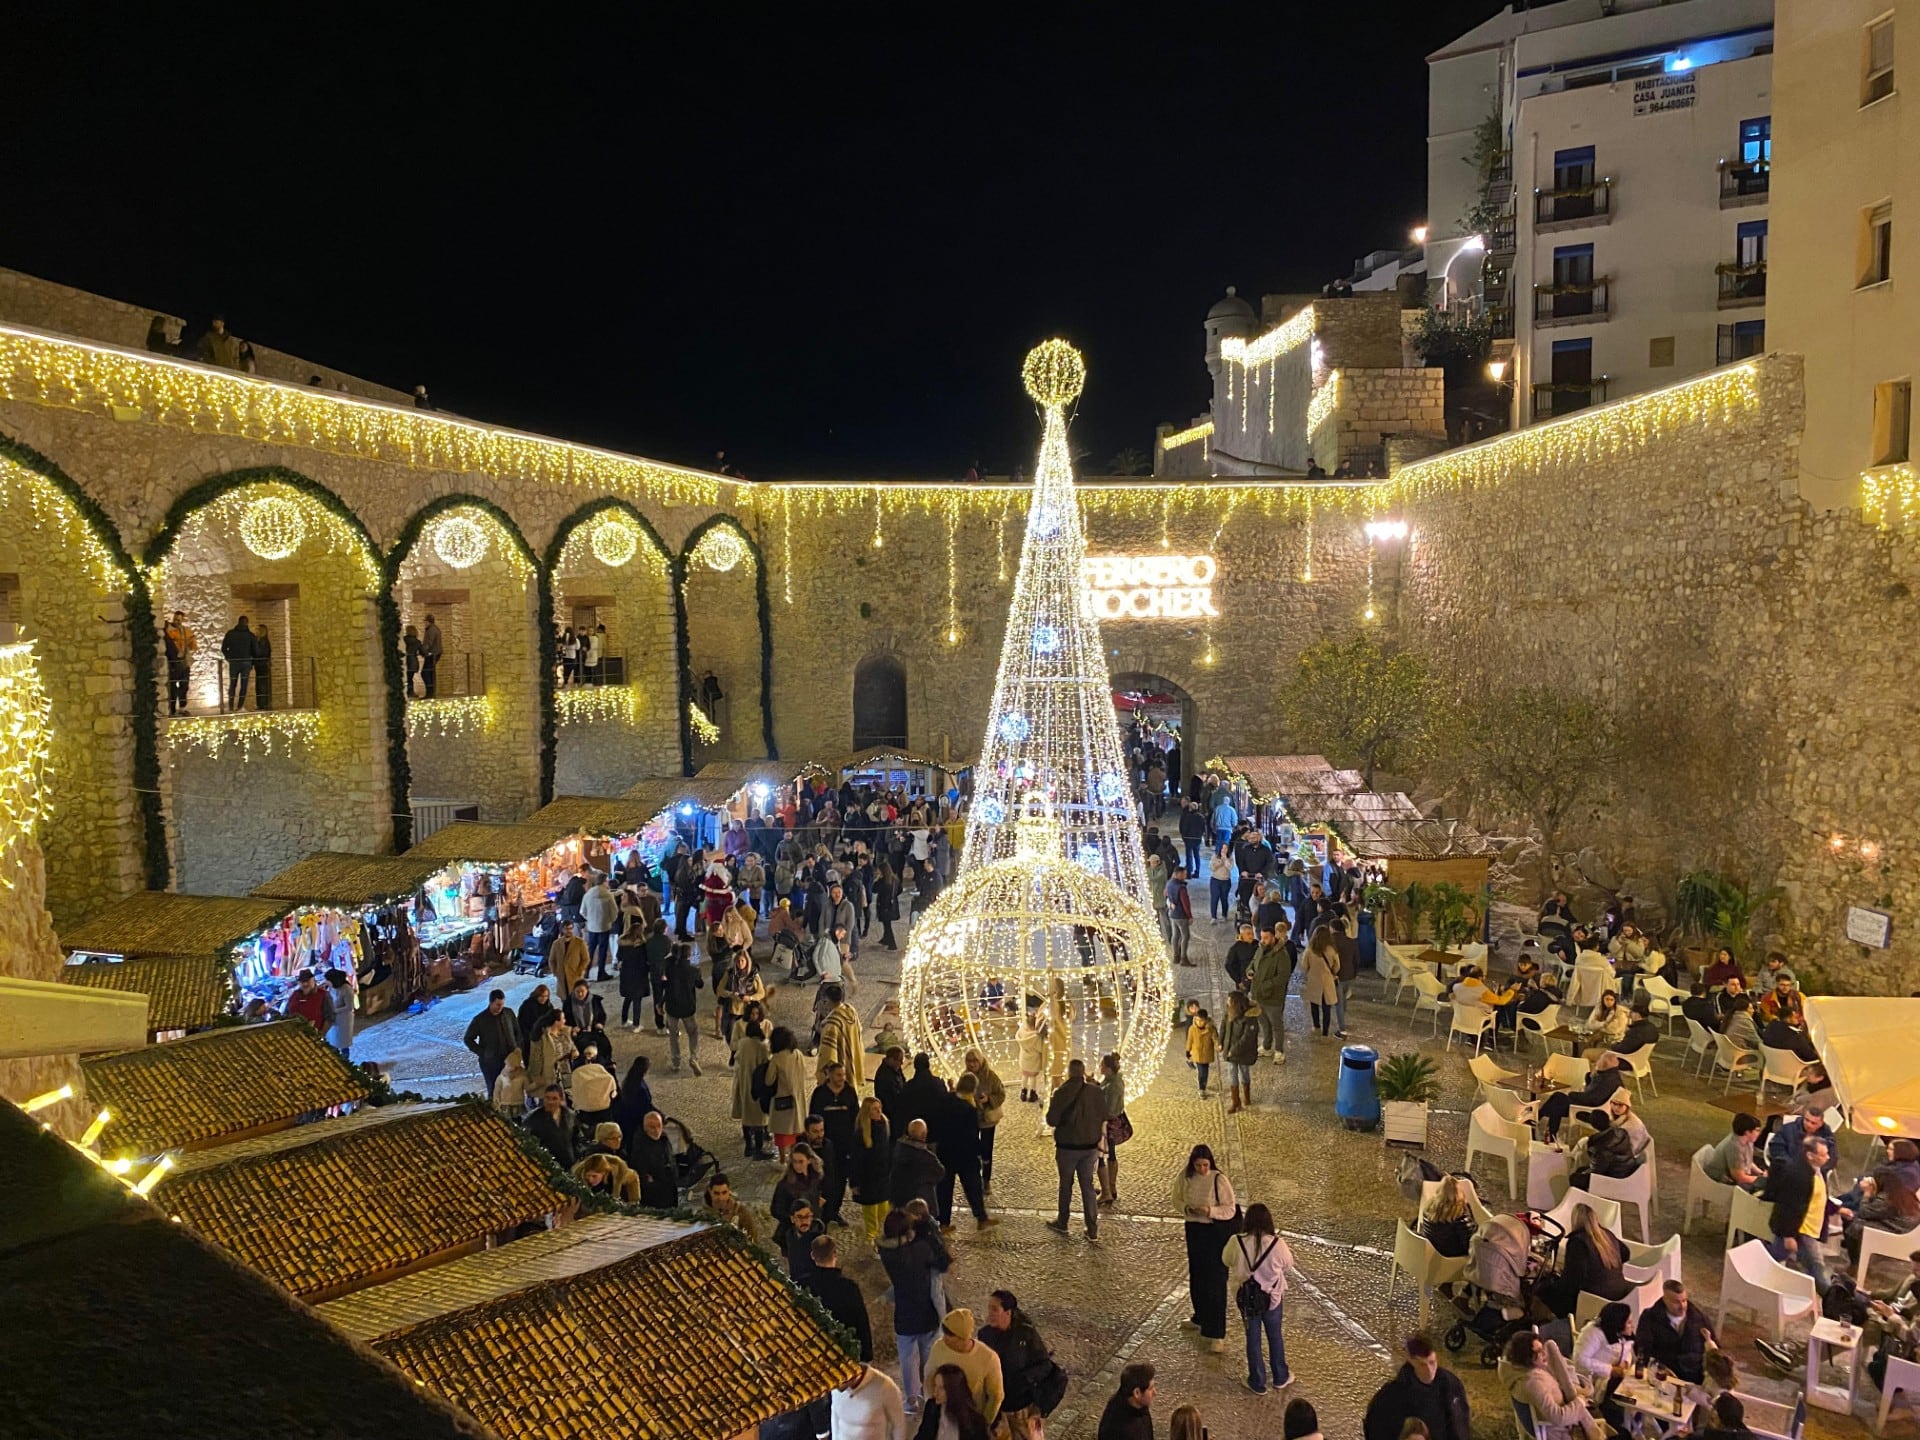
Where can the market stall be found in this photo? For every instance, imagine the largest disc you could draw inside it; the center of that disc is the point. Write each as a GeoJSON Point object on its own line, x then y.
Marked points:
{"type": "Point", "coordinates": [697, 805]}
{"type": "Point", "coordinates": [615, 831]}
{"type": "Point", "coordinates": [180, 951]}
{"type": "Point", "coordinates": [887, 767]}
{"type": "Point", "coordinates": [355, 913]}
{"type": "Point", "coordinates": [761, 787]}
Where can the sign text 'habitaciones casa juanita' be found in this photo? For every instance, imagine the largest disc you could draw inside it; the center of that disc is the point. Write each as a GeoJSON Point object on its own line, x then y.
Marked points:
{"type": "Point", "coordinates": [1150, 587]}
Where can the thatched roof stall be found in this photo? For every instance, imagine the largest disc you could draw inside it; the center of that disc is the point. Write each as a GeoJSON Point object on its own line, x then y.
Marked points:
{"type": "Point", "coordinates": [352, 882]}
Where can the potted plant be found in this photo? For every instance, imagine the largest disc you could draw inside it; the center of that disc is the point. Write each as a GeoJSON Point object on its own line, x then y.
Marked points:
{"type": "Point", "coordinates": [1407, 1084]}
{"type": "Point", "coordinates": [1450, 913]}
{"type": "Point", "coordinates": [1375, 900]}
{"type": "Point", "coordinates": [1414, 897]}
{"type": "Point", "coordinates": [1696, 900]}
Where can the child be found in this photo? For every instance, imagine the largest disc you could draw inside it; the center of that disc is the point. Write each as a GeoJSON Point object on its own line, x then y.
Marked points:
{"type": "Point", "coordinates": [1203, 1043]}
{"type": "Point", "coordinates": [510, 1087]}
{"type": "Point", "coordinates": [1033, 1050]}
{"type": "Point", "coordinates": [1193, 1009]}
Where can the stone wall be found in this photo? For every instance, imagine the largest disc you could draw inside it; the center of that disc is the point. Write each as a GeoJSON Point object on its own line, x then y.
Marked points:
{"type": "Point", "coordinates": [29, 951]}
{"type": "Point", "coordinates": [604, 756]}
{"type": "Point", "coordinates": [1377, 404]}
{"type": "Point", "coordinates": [723, 634]}
{"type": "Point", "coordinates": [1359, 332]}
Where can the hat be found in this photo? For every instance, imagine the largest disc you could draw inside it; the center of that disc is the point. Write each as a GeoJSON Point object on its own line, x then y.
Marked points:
{"type": "Point", "coordinates": [606, 1133]}
{"type": "Point", "coordinates": [959, 1324]}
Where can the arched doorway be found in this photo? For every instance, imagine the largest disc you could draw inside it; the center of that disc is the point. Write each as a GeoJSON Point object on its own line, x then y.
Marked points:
{"type": "Point", "coordinates": [880, 701]}
{"type": "Point", "coordinates": [1155, 709]}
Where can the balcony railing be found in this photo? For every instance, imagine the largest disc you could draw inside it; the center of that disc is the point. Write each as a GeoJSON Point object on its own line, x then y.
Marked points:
{"type": "Point", "coordinates": [1742, 284]}
{"type": "Point", "coordinates": [1500, 178]}
{"type": "Point", "coordinates": [1503, 235]}
{"type": "Point", "coordinates": [462, 672]}
{"type": "Point", "coordinates": [290, 685]}
{"type": "Point", "coordinates": [1563, 397]}
{"type": "Point", "coordinates": [1576, 302]}
{"type": "Point", "coordinates": [1568, 207]}
{"type": "Point", "coordinates": [1500, 322]}
{"type": "Point", "coordinates": [1744, 182]}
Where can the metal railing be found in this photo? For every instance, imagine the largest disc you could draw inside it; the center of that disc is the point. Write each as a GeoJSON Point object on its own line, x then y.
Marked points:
{"type": "Point", "coordinates": [1500, 322]}
{"type": "Point", "coordinates": [462, 672]}
{"type": "Point", "coordinates": [1573, 204]}
{"type": "Point", "coordinates": [612, 670]}
{"type": "Point", "coordinates": [290, 685]}
{"type": "Point", "coordinates": [1744, 182]}
{"type": "Point", "coordinates": [1563, 397]}
{"type": "Point", "coordinates": [1570, 301]}
{"type": "Point", "coordinates": [1503, 235]}
{"type": "Point", "coordinates": [1742, 284]}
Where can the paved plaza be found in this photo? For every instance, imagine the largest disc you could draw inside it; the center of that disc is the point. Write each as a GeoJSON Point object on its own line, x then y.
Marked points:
{"type": "Point", "coordinates": [1334, 1194]}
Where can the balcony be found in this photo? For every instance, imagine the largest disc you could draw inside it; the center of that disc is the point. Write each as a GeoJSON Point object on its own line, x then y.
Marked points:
{"type": "Point", "coordinates": [1500, 178]}
{"type": "Point", "coordinates": [1742, 284]}
{"type": "Point", "coordinates": [1503, 235]}
{"type": "Point", "coordinates": [1744, 182]}
{"type": "Point", "coordinates": [1563, 397]}
{"type": "Point", "coordinates": [1500, 322]}
{"type": "Point", "coordinates": [1573, 207]}
{"type": "Point", "coordinates": [1572, 302]}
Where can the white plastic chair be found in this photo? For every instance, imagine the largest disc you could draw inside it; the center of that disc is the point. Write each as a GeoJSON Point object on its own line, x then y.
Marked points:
{"type": "Point", "coordinates": [1425, 1266]}
{"type": "Point", "coordinates": [1705, 1195]}
{"type": "Point", "coordinates": [1538, 1026]}
{"type": "Point", "coordinates": [1663, 1259]}
{"type": "Point", "coordinates": [1748, 1214]}
{"type": "Point", "coordinates": [1731, 1058]}
{"type": "Point", "coordinates": [1429, 995]}
{"type": "Point", "coordinates": [1488, 1072]}
{"type": "Point", "coordinates": [1771, 1292]}
{"type": "Point", "coordinates": [1509, 1106]}
{"type": "Point", "coordinates": [1524, 1425]}
{"type": "Point", "coordinates": [1634, 1189]}
{"type": "Point", "coordinates": [1488, 1134]}
{"type": "Point", "coordinates": [1545, 1165]}
{"type": "Point", "coordinates": [1663, 997]}
{"type": "Point", "coordinates": [1606, 1211]}
{"type": "Point", "coordinates": [1640, 1065]}
{"type": "Point", "coordinates": [1468, 1192]}
{"type": "Point", "coordinates": [1586, 1309]}
{"type": "Point", "coordinates": [1470, 1019]}
{"type": "Point", "coordinates": [1903, 1378]}
{"type": "Point", "coordinates": [1568, 1071]}
{"type": "Point", "coordinates": [1699, 1044]}
{"type": "Point", "coordinates": [1648, 1282]}
{"type": "Point", "coordinates": [1779, 1067]}
{"type": "Point", "coordinates": [1878, 1244]}
{"type": "Point", "coordinates": [1770, 1420]}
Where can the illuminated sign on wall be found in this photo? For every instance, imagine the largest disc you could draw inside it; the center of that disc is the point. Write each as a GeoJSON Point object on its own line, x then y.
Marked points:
{"type": "Point", "coordinates": [1150, 587]}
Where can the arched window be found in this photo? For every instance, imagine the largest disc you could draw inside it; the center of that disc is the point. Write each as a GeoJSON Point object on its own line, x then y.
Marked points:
{"type": "Point", "coordinates": [880, 701]}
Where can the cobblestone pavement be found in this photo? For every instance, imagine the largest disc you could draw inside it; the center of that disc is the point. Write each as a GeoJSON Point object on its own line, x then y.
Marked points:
{"type": "Point", "coordinates": [1103, 1304]}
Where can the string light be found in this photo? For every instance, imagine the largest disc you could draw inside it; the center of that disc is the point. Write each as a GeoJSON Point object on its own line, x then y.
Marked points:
{"type": "Point", "coordinates": [76, 374]}
{"type": "Point", "coordinates": [273, 527]}
{"type": "Point", "coordinates": [614, 541]}
{"type": "Point", "coordinates": [265, 732]}
{"type": "Point", "coordinates": [1327, 399]}
{"type": "Point", "coordinates": [1272, 385]}
{"type": "Point", "coordinates": [451, 716]}
{"type": "Point", "coordinates": [26, 741]}
{"type": "Point", "coordinates": [1166, 522]}
{"type": "Point", "coordinates": [953, 576]}
{"type": "Point", "coordinates": [47, 1100]}
{"type": "Point", "coordinates": [1053, 905]}
{"type": "Point", "coordinates": [591, 704]}
{"type": "Point", "coordinates": [1890, 495]}
{"type": "Point", "coordinates": [879, 540]}
{"type": "Point", "coordinates": [1187, 436]}
{"type": "Point", "coordinates": [720, 549]}
{"type": "Point", "coordinates": [153, 1176]}
{"type": "Point", "coordinates": [460, 540]}
{"type": "Point", "coordinates": [786, 545]}
{"type": "Point", "coordinates": [704, 730]}
{"type": "Point", "coordinates": [60, 527]}
{"type": "Point", "coordinates": [1000, 540]}
{"type": "Point", "coordinates": [99, 1123]}
{"type": "Point", "coordinates": [1295, 331]}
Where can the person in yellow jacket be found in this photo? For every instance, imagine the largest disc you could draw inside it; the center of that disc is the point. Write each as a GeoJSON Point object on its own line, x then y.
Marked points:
{"type": "Point", "coordinates": [1203, 1047]}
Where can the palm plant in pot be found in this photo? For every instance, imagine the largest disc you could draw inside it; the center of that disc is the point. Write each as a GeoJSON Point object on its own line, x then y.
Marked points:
{"type": "Point", "coordinates": [1450, 915]}
{"type": "Point", "coordinates": [1407, 1084]}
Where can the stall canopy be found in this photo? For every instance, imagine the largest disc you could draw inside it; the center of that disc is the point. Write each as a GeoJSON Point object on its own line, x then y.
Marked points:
{"type": "Point", "coordinates": [184, 992]}
{"type": "Point", "coordinates": [596, 816]}
{"type": "Point", "coordinates": [1866, 1043]}
{"type": "Point", "coordinates": [155, 923]}
{"type": "Point", "coordinates": [890, 758]}
{"type": "Point", "coordinates": [670, 792]}
{"type": "Point", "coordinates": [1374, 825]}
{"type": "Point", "coordinates": [352, 882]}
{"type": "Point", "coordinates": [485, 842]}
{"type": "Point", "coordinates": [746, 773]}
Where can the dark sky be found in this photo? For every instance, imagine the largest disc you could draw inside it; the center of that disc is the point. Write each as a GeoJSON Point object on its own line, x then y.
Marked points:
{"type": "Point", "coordinates": [821, 236]}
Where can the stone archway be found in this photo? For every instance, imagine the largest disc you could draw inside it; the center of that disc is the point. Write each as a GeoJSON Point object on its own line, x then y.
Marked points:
{"type": "Point", "coordinates": [1167, 701]}
{"type": "Point", "coordinates": [880, 701]}
{"type": "Point", "coordinates": [724, 605]}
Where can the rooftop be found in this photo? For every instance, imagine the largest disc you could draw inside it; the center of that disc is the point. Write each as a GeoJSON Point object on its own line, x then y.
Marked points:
{"type": "Point", "coordinates": [157, 922]}
{"type": "Point", "coordinates": [334, 877]}
{"type": "Point", "coordinates": [184, 992]}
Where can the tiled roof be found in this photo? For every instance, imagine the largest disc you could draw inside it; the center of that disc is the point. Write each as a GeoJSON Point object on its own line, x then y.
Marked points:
{"type": "Point", "coordinates": [485, 842]}
{"type": "Point", "coordinates": [157, 922]}
{"type": "Point", "coordinates": [220, 1082]}
{"type": "Point", "coordinates": [333, 1204]}
{"type": "Point", "coordinates": [184, 992]}
{"type": "Point", "coordinates": [596, 815]}
{"type": "Point", "coordinates": [689, 1340]}
{"type": "Point", "coordinates": [116, 1295]}
{"type": "Point", "coordinates": [336, 877]}
{"type": "Point", "coordinates": [704, 792]}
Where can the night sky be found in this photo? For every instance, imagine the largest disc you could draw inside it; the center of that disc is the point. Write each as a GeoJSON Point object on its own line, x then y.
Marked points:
{"type": "Point", "coordinates": [823, 245]}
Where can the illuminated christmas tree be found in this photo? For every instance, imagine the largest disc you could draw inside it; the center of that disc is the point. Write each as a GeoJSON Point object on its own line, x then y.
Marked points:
{"type": "Point", "coordinates": [1048, 923]}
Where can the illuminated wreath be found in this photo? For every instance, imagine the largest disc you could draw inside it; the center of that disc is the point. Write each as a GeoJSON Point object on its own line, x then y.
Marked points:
{"type": "Point", "coordinates": [720, 549]}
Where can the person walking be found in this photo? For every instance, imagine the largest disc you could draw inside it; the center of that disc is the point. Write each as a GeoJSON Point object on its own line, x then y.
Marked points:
{"type": "Point", "coordinates": [1027, 1369]}
{"type": "Point", "coordinates": [601, 913]}
{"type": "Point", "coordinates": [1220, 884]}
{"type": "Point", "coordinates": [1241, 1050]}
{"type": "Point", "coordinates": [748, 1056]}
{"type": "Point", "coordinates": [1179, 916]}
{"type": "Point", "coordinates": [867, 1407]}
{"type": "Point", "coordinates": [991, 1099]}
{"type": "Point", "coordinates": [1128, 1414]}
{"type": "Point", "coordinates": [1422, 1390]}
{"type": "Point", "coordinates": [912, 1258]}
{"type": "Point", "coordinates": [791, 1087]}
{"type": "Point", "coordinates": [1193, 834]}
{"type": "Point", "coordinates": [1206, 1201]}
{"type": "Point", "coordinates": [1117, 1129]}
{"type": "Point", "coordinates": [683, 979]}
{"type": "Point", "coordinates": [340, 1033]}
{"type": "Point", "coordinates": [431, 649]}
{"type": "Point", "coordinates": [1203, 1047]}
{"type": "Point", "coordinates": [236, 648]}
{"type": "Point", "coordinates": [959, 1349]}
{"type": "Point", "coordinates": [886, 903]}
{"type": "Point", "coordinates": [953, 1129]}
{"type": "Point", "coordinates": [1257, 1261]}
{"type": "Point", "coordinates": [1077, 1115]}
{"type": "Point", "coordinates": [1267, 982]}
{"type": "Point", "coordinates": [1320, 984]}
{"type": "Point", "coordinates": [870, 1165]}
{"type": "Point", "coordinates": [635, 980]}
{"type": "Point", "coordinates": [181, 643]}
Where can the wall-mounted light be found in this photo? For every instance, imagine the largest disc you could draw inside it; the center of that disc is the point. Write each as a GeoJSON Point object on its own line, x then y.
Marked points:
{"type": "Point", "coordinates": [1497, 371]}
{"type": "Point", "coordinates": [1419, 234]}
{"type": "Point", "coordinates": [1381, 530]}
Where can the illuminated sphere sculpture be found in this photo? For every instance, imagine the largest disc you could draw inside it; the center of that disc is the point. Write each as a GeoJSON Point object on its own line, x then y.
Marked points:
{"type": "Point", "coordinates": [460, 540]}
{"type": "Point", "coordinates": [1038, 924]}
{"type": "Point", "coordinates": [720, 549]}
{"type": "Point", "coordinates": [1054, 373]}
{"type": "Point", "coordinates": [273, 527]}
{"type": "Point", "coordinates": [613, 541]}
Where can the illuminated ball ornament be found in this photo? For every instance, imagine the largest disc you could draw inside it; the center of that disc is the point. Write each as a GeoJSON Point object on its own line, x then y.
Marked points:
{"type": "Point", "coordinates": [1037, 924]}
{"type": "Point", "coordinates": [614, 541]}
{"type": "Point", "coordinates": [720, 549]}
{"type": "Point", "coordinates": [1014, 728]}
{"type": "Point", "coordinates": [1054, 373]}
{"type": "Point", "coordinates": [991, 810]}
{"type": "Point", "coordinates": [1110, 789]}
{"type": "Point", "coordinates": [1046, 640]}
{"type": "Point", "coordinates": [273, 527]}
{"type": "Point", "coordinates": [460, 541]}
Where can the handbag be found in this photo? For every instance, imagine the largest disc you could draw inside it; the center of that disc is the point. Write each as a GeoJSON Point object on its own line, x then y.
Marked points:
{"type": "Point", "coordinates": [1051, 1388]}
{"type": "Point", "coordinates": [1119, 1130]}
{"type": "Point", "coordinates": [1238, 1222]}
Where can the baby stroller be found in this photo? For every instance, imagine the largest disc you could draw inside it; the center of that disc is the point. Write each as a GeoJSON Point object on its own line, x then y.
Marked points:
{"type": "Point", "coordinates": [692, 1164]}
{"type": "Point", "coordinates": [532, 958]}
{"type": "Point", "coordinates": [1505, 1261]}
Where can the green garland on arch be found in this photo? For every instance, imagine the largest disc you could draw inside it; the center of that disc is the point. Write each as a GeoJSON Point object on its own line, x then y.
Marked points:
{"type": "Point", "coordinates": [684, 645]}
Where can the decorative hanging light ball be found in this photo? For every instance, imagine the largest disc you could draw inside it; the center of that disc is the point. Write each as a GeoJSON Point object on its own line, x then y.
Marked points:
{"type": "Point", "coordinates": [720, 549]}
{"type": "Point", "coordinates": [613, 541]}
{"type": "Point", "coordinates": [1054, 373]}
{"type": "Point", "coordinates": [460, 540]}
{"type": "Point", "coordinates": [273, 527]}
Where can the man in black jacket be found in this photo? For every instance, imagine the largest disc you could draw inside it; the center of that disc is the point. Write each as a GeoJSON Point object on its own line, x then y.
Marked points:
{"type": "Point", "coordinates": [1600, 1086]}
{"type": "Point", "coordinates": [1674, 1333]}
{"type": "Point", "coordinates": [1193, 833]}
{"type": "Point", "coordinates": [916, 1170]}
{"type": "Point", "coordinates": [492, 1035]}
{"type": "Point", "coordinates": [236, 648]}
{"type": "Point", "coordinates": [1641, 1031]}
{"type": "Point", "coordinates": [837, 1104]}
{"type": "Point", "coordinates": [925, 1094]}
{"type": "Point", "coordinates": [1240, 954]}
{"type": "Point", "coordinates": [552, 1126]}
{"type": "Point", "coordinates": [1077, 1113]}
{"type": "Point", "coordinates": [1799, 1197]}
{"type": "Point", "coordinates": [839, 1295]}
{"type": "Point", "coordinates": [1129, 1415]}
{"type": "Point", "coordinates": [1423, 1388]}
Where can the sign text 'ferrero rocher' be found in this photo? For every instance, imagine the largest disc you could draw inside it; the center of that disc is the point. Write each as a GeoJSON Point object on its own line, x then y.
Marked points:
{"type": "Point", "coordinates": [1150, 587]}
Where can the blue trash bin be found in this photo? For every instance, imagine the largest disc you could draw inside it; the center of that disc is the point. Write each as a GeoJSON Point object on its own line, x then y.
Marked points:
{"type": "Point", "coordinates": [1368, 941]}
{"type": "Point", "coordinates": [1357, 1102]}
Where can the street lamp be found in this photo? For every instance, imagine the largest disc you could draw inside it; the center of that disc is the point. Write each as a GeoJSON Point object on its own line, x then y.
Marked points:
{"type": "Point", "coordinates": [1472, 245]}
{"type": "Point", "coordinates": [1497, 371]}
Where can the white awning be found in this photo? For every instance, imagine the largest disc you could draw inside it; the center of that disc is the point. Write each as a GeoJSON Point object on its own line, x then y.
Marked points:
{"type": "Point", "coordinates": [1867, 1045]}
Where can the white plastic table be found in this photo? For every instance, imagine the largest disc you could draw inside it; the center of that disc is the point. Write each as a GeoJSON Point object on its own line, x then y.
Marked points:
{"type": "Point", "coordinates": [1841, 1343]}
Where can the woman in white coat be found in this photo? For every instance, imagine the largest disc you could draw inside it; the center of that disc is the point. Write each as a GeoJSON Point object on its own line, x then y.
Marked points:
{"type": "Point", "coordinates": [1257, 1261]}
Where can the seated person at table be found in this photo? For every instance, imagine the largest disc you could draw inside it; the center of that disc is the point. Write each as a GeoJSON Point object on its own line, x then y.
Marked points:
{"type": "Point", "coordinates": [1565, 945]}
{"type": "Point", "coordinates": [1732, 1161]}
{"type": "Point", "coordinates": [1527, 971]}
{"type": "Point", "coordinates": [1782, 1002]}
{"type": "Point", "coordinates": [1445, 1222]}
{"type": "Point", "coordinates": [1699, 1007]}
{"type": "Point", "coordinates": [1607, 1151]}
{"type": "Point", "coordinates": [1621, 1116]}
{"type": "Point", "coordinates": [1890, 1322]}
{"type": "Point", "coordinates": [1773, 967]}
{"type": "Point", "coordinates": [1628, 948]}
{"type": "Point", "coordinates": [1815, 1089]}
{"type": "Point", "coordinates": [1810, 1123]}
{"type": "Point", "coordinates": [1740, 1028]}
{"type": "Point", "coordinates": [1602, 1081]}
{"type": "Point", "coordinates": [1472, 989]}
{"type": "Point", "coordinates": [1640, 1032]}
{"type": "Point", "coordinates": [1607, 1023]}
{"type": "Point", "coordinates": [1556, 914]}
{"type": "Point", "coordinates": [1591, 1258]}
{"type": "Point", "coordinates": [1731, 989]}
{"type": "Point", "coordinates": [1779, 1033]}
{"type": "Point", "coordinates": [1675, 1333]}
{"type": "Point", "coordinates": [1603, 1357]}
{"type": "Point", "coordinates": [1535, 1375]}
{"type": "Point", "coordinates": [1536, 997]}
{"type": "Point", "coordinates": [1723, 968]}
{"type": "Point", "coordinates": [1725, 1419]}
{"type": "Point", "coordinates": [1885, 1200]}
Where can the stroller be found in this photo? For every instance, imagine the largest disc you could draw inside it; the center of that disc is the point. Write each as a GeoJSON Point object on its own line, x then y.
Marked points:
{"type": "Point", "coordinates": [1505, 1261]}
{"type": "Point", "coordinates": [692, 1163]}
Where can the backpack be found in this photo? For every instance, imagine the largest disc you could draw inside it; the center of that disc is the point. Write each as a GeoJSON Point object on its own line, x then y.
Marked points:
{"type": "Point", "coordinates": [763, 1086]}
{"type": "Point", "coordinates": [1843, 1302]}
{"type": "Point", "coordinates": [1252, 1299]}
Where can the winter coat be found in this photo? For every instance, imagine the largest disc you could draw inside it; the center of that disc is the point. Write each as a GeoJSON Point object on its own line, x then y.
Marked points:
{"type": "Point", "coordinates": [555, 1135]}
{"type": "Point", "coordinates": [1271, 973]}
{"type": "Point", "coordinates": [748, 1056]}
{"type": "Point", "coordinates": [1024, 1361]}
{"type": "Point", "coordinates": [792, 1086]}
{"type": "Point", "coordinates": [653, 1163]}
{"type": "Point", "coordinates": [921, 1097]}
{"type": "Point", "coordinates": [1243, 1040]}
{"type": "Point", "coordinates": [991, 1096]}
{"type": "Point", "coordinates": [1203, 1041]}
{"type": "Point", "coordinates": [1443, 1405]}
{"type": "Point", "coordinates": [889, 1087]}
{"type": "Point", "coordinates": [911, 1261]}
{"type": "Point", "coordinates": [914, 1175]}
{"type": "Point", "coordinates": [1033, 1051]}
{"type": "Point", "coordinates": [1317, 983]}
{"type": "Point", "coordinates": [1077, 1112]}
{"type": "Point", "coordinates": [623, 1184]}
{"type": "Point", "coordinates": [568, 960]}
{"type": "Point", "coordinates": [683, 979]}
{"type": "Point", "coordinates": [953, 1129]}
{"type": "Point", "coordinates": [870, 1166]}
{"type": "Point", "coordinates": [840, 1044]}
